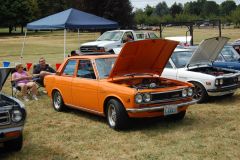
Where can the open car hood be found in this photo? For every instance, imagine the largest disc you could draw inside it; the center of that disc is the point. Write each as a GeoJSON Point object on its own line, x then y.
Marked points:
{"type": "Point", "coordinates": [4, 73]}
{"type": "Point", "coordinates": [143, 57]}
{"type": "Point", "coordinates": [208, 51]}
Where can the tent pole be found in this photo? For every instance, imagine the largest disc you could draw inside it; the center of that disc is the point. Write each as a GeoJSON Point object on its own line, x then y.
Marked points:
{"type": "Point", "coordinates": [64, 52]}
{"type": "Point", "coordinates": [23, 45]}
{"type": "Point", "coordinates": [78, 37]}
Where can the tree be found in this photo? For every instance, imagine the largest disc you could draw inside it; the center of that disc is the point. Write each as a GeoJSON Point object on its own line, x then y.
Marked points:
{"type": "Point", "coordinates": [17, 12]}
{"type": "Point", "coordinates": [176, 9]}
{"type": "Point", "coordinates": [162, 9]}
{"type": "Point", "coordinates": [149, 10]}
{"type": "Point", "coordinates": [235, 15]}
{"type": "Point", "coordinates": [227, 7]}
{"type": "Point", "coordinates": [210, 8]}
{"type": "Point", "coordinates": [194, 7]}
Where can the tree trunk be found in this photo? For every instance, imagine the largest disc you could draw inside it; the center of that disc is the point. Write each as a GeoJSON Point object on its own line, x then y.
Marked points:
{"type": "Point", "coordinates": [10, 29]}
{"type": "Point", "coordinates": [22, 29]}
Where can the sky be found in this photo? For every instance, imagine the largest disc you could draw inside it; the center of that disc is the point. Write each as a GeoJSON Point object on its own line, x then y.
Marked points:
{"type": "Point", "coordinates": [144, 3]}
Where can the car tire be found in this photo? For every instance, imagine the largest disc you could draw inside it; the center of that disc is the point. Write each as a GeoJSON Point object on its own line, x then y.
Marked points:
{"type": "Point", "coordinates": [116, 114]}
{"type": "Point", "coordinates": [57, 101]}
{"type": "Point", "coordinates": [178, 117]}
{"type": "Point", "coordinates": [15, 144]}
{"type": "Point", "coordinates": [200, 93]}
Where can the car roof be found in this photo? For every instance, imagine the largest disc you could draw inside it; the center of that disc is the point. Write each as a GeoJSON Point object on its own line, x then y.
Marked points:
{"type": "Point", "coordinates": [92, 57]}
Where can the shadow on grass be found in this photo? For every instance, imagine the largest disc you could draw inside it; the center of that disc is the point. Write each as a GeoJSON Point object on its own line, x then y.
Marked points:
{"type": "Point", "coordinates": [37, 152]}
{"type": "Point", "coordinates": [139, 124]}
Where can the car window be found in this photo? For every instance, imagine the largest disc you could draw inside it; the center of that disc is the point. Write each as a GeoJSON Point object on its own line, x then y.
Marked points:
{"type": "Point", "coordinates": [220, 58]}
{"type": "Point", "coordinates": [104, 66]}
{"type": "Point", "coordinates": [153, 35]}
{"type": "Point", "coordinates": [229, 54]}
{"type": "Point", "coordinates": [140, 36]}
{"type": "Point", "coordinates": [70, 67]}
{"type": "Point", "coordinates": [111, 36]}
{"type": "Point", "coordinates": [127, 33]}
{"type": "Point", "coordinates": [181, 58]}
{"type": "Point", "coordinates": [85, 69]}
{"type": "Point", "coordinates": [168, 65]}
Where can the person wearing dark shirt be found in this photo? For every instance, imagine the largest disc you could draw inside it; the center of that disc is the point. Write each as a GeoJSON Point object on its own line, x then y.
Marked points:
{"type": "Point", "coordinates": [41, 70]}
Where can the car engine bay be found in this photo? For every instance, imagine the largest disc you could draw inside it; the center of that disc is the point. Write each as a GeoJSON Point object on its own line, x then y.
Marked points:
{"type": "Point", "coordinates": [211, 71]}
{"type": "Point", "coordinates": [146, 83]}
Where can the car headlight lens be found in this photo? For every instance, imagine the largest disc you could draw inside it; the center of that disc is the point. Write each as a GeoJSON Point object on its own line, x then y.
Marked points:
{"type": "Point", "coordinates": [17, 116]}
{"type": "Point", "coordinates": [138, 98]}
{"type": "Point", "coordinates": [184, 93]}
{"type": "Point", "coordinates": [221, 81]}
{"type": "Point", "coordinates": [146, 97]}
{"type": "Point", "coordinates": [190, 91]}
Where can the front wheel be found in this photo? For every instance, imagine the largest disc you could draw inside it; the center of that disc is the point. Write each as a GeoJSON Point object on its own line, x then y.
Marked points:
{"type": "Point", "coordinates": [57, 100]}
{"type": "Point", "coordinates": [200, 93]}
{"type": "Point", "coordinates": [15, 144]}
{"type": "Point", "coordinates": [116, 115]}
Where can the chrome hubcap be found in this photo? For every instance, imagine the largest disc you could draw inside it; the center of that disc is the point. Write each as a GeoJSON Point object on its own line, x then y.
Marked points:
{"type": "Point", "coordinates": [197, 92]}
{"type": "Point", "coordinates": [57, 100]}
{"type": "Point", "coordinates": [112, 116]}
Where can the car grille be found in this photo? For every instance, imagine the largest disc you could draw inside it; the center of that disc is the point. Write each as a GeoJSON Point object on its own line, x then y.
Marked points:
{"type": "Point", "coordinates": [88, 48]}
{"type": "Point", "coordinates": [229, 81]}
{"type": "Point", "coordinates": [4, 118]}
{"type": "Point", "coordinates": [168, 96]}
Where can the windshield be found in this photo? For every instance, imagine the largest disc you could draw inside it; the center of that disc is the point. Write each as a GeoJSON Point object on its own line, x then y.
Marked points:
{"type": "Point", "coordinates": [104, 66]}
{"type": "Point", "coordinates": [181, 58]}
{"type": "Point", "coordinates": [111, 36]}
{"type": "Point", "coordinates": [229, 54]}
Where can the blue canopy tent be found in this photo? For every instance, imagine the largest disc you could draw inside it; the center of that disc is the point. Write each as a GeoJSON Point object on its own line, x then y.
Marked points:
{"type": "Point", "coordinates": [70, 19]}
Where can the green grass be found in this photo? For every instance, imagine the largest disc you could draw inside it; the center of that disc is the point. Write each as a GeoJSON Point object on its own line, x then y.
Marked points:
{"type": "Point", "coordinates": [209, 131]}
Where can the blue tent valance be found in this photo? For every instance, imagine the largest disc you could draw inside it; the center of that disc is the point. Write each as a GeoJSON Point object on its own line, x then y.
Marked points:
{"type": "Point", "coordinates": [72, 19]}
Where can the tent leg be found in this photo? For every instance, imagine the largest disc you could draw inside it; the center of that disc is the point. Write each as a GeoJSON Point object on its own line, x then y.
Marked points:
{"type": "Point", "coordinates": [78, 37]}
{"type": "Point", "coordinates": [64, 52]}
{"type": "Point", "coordinates": [23, 45]}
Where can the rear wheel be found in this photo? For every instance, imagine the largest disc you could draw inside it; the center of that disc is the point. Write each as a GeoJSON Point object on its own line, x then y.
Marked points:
{"type": "Point", "coordinates": [14, 145]}
{"type": "Point", "coordinates": [200, 93]}
{"type": "Point", "coordinates": [116, 115]}
{"type": "Point", "coordinates": [57, 100]}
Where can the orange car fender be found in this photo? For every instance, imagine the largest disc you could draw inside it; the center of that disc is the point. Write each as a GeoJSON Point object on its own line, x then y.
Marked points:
{"type": "Point", "coordinates": [110, 96]}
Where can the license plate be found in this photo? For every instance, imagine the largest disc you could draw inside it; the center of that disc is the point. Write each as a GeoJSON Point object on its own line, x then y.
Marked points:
{"type": "Point", "coordinates": [168, 110]}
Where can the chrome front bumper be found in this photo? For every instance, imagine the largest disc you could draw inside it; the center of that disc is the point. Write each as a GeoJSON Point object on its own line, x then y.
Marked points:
{"type": "Point", "coordinates": [157, 108]}
{"type": "Point", "coordinates": [3, 132]}
{"type": "Point", "coordinates": [223, 90]}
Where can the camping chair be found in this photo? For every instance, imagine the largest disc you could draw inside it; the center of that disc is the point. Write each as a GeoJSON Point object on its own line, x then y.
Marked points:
{"type": "Point", "coordinates": [16, 89]}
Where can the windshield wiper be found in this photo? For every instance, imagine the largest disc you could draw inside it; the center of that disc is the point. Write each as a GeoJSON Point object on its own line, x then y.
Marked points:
{"type": "Point", "coordinates": [134, 74]}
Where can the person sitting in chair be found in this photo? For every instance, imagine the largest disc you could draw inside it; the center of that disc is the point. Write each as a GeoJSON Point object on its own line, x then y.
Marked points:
{"type": "Point", "coordinates": [42, 69]}
{"type": "Point", "coordinates": [23, 80]}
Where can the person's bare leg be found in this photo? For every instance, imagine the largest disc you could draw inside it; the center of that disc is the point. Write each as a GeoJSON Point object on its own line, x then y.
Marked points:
{"type": "Point", "coordinates": [24, 88]}
{"type": "Point", "coordinates": [33, 87]}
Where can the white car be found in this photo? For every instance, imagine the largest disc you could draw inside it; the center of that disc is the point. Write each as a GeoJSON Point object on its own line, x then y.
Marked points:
{"type": "Point", "coordinates": [196, 67]}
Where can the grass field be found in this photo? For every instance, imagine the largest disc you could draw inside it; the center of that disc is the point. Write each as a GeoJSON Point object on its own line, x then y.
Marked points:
{"type": "Point", "coordinates": [209, 131]}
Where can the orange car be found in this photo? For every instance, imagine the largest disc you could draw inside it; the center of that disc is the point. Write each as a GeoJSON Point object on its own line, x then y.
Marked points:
{"type": "Point", "coordinates": [121, 87]}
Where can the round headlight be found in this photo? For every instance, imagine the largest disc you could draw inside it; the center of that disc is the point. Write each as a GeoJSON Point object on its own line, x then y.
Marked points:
{"type": "Point", "coordinates": [146, 97]}
{"type": "Point", "coordinates": [184, 93]}
{"type": "Point", "coordinates": [217, 82]}
{"type": "Point", "coordinates": [138, 98]}
{"type": "Point", "coordinates": [221, 81]}
{"type": "Point", "coordinates": [16, 116]}
{"type": "Point", "coordinates": [190, 91]}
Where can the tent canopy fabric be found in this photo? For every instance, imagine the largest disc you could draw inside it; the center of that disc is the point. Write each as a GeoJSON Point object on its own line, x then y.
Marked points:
{"type": "Point", "coordinates": [72, 19]}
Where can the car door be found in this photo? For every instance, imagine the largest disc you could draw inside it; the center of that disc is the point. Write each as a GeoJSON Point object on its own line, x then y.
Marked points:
{"type": "Point", "coordinates": [64, 82]}
{"type": "Point", "coordinates": [85, 86]}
